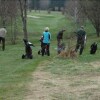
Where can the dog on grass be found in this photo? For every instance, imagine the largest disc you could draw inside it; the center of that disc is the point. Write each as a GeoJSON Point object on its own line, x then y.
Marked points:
{"type": "Point", "coordinates": [93, 48]}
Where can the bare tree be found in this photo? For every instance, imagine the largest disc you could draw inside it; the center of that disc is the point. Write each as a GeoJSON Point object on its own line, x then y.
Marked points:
{"type": "Point", "coordinates": [8, 15]}
{"type": "Point", "coordinates": [70, 7]}
{"type": "Point", "coordinates": [12, 13]}
{"type": "Point", "coordinates": [73, 9]}
{"type": "Point", "coordinates": [44, 4]}
{"type": "Point", "coordinates": [29, 5]}
{"type": "Point", "coordinates": [23, 10]}
{"type": "Point", "coordinates": [92, 10]}
{"type": "Point", "coordinates": [3, 11]}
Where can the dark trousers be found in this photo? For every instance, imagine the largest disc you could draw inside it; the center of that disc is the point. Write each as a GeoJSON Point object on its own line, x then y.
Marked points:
{"type": "Point", "coordinates": [58, 42]}
{"type": "Point", "coordinates": [45, 49]}
{"type": "Point", "coordinates": [81, 46]}
{"type": "Point", "coordinates": [2, 39]}
{"type": "Point", "coordinates": [58, 45]}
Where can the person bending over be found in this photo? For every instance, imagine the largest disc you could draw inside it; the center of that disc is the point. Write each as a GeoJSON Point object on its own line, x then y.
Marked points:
{"type": "Point", "coordinates": [59, 40]}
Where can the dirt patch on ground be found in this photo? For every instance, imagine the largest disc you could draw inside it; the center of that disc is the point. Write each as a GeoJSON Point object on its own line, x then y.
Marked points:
{"type": "Point", "coordinates": [95, 64]}
{"type": "Point", "coordinates": [47, 86]}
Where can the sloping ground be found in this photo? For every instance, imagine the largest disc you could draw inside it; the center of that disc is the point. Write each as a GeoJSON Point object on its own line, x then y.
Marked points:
{"type": "Point", "coordinates": [51, 82]}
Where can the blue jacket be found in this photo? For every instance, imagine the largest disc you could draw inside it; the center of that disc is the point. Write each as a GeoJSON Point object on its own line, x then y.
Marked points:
{"type": "Point", "coordinates": [46, 37]}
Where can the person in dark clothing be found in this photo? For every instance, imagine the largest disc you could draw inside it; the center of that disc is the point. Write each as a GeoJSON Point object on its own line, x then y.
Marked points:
{"type": "Point", "coordinates": [59, 39]}
{"type": "Point", "coordinates": [28, 50]}
{"type": "Point", "coordinates": [93, 48]}
{"type": "Point", "coordinates": [41, 41]}
{"type": "Point", "coordinates": [2, 39]}
{"type": "Point", "coordinates": [40, 51]}
{"type": "Point", "coordinates": [81, 37]}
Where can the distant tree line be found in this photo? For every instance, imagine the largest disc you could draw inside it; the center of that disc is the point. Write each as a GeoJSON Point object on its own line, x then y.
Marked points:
{"type": "Point", "coordinates": [11, 10]}
{"type": "Point", "coordinates": [8, 17]}
{"type": "Point", "coordinates": [46, 4]}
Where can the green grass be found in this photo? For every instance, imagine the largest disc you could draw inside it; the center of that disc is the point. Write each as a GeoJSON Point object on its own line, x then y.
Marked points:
{"type": "Point", "coordinates": [53, 21]}
{"type": "Point", "coordinates": [71, 67]}
{"type": "Point", "coordinates": [15, 73]}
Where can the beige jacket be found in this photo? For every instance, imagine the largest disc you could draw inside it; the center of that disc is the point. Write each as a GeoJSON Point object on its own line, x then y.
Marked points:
{"type": "Point", "coordinates": [3, 32]}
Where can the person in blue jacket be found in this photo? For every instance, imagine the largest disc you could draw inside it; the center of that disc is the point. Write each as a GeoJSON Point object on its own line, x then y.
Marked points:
{"type": "Point", "coordinates": [46, 42]}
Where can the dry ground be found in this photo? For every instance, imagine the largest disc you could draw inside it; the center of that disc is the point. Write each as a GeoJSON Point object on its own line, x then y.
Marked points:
{"type": "Point", "coordinates": [48, 86]}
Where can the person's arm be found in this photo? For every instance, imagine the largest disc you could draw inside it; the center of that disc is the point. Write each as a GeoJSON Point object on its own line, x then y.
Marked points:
{"type": "Point", "coordinates": [43, 35]}
{"type": "Point", "coordinates": [58, 35]}
{"type": "Point", "coordinates": [5, 31]}
{"type": "Point", "coordinates": [96, 47]}
{"type": "Point", "coordinates": [85, 38]}
{"type": "Point", "coordinates": [62, 35]}
{"type": "Point", "coordinates": [49, 36]}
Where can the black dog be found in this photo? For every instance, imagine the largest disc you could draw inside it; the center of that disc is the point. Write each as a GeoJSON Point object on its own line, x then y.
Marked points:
{"type": "Point", "coordinates": [93, 48]}
{"type": "Point", "coordinates": [28, 50]}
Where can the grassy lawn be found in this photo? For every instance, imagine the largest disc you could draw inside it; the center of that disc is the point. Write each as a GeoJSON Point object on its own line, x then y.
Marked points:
{"type": "Point", "coordinates": [82, 72]}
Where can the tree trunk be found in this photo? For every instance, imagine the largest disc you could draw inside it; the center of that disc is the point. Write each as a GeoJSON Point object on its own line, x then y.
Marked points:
{"type": "Point", "coordinates": [15, 31]}
{"type": "Point", "coordinates": [24, 17]}
{"type": "Point", "coordinates": [25, 28]}
{"type": "Point", "coordinates": [3, 12]}
{"type": "Point", "coordinates": [25, 20]}
{"type": "Point", "coordinates": [98, 32]}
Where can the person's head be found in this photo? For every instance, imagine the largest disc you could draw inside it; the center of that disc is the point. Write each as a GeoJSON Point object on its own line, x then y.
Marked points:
{"type": "Point", "coordinates": [46, 29]}
{"type": "Point", "coordinates": [4, 27]}
{"type": "Point", "coordinates": [82, 27]}
{"type": "Point", "coordinates": [95, 43]}
{"type": "Point", "coordinates": [25, 41]}
{"type": "Point", "coordinates": [63, 30]}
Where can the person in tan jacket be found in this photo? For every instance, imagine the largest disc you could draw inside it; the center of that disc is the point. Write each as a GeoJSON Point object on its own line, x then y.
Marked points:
{"type": "Point", "coordinates": [3, 32]}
